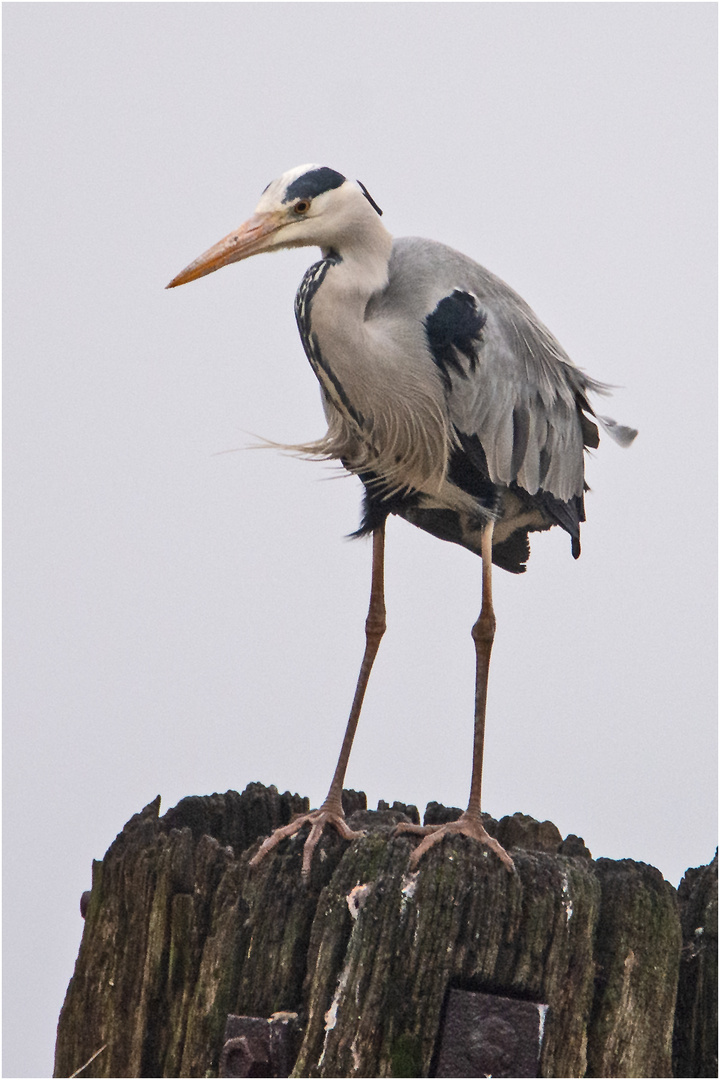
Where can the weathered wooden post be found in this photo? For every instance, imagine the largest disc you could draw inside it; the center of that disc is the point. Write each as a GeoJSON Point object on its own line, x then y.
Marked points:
{"type": "Point", "coordinates": [367, 969]}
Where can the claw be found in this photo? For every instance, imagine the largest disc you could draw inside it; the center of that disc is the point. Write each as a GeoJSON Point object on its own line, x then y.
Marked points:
{"type": "Point", "coordinates": [317, 819]}
{"type": "Point", "coordinates": [466, 825]}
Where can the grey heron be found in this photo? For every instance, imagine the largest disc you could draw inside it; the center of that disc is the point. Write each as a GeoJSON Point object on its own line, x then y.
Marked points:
{"type": "Point", "coordinates": [445, 394]}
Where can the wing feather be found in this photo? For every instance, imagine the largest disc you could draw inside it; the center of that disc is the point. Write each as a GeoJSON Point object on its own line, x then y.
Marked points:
{"type": "Point", "coordinates": [522, 397]}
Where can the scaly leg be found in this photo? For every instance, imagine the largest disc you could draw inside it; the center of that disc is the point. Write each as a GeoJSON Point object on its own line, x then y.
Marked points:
{"type": "Point", "coordinates": [470, 823]}
{"type": "Point", "coordinates": [331, 811]}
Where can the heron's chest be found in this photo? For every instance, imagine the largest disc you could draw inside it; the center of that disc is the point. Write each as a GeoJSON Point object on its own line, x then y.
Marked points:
{"type": "Point", "coordinates": [324, 365]}
{"type": "Point", "coordinates": [378, 379]}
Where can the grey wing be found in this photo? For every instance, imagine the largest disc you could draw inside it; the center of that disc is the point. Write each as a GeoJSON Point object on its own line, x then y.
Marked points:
{"type": "Point", "coordinates": [523, 399]}
{"type": "Point", "coordinates": [507, 380]}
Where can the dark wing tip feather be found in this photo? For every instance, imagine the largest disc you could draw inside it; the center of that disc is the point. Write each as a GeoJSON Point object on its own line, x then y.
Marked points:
{"type": "Point", "coordinates": [512, 554]}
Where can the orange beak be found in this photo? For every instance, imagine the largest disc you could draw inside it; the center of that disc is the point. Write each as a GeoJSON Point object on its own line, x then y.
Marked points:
{"type": "Point", "coordinates": [250, 239]}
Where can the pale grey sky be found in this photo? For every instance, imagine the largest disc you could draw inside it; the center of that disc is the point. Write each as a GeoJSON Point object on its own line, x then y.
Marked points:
{"type": "Point", "coordinates": [182, 621]}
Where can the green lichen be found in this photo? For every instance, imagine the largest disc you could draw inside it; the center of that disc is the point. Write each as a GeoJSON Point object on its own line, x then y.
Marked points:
{"type": "Point", "coordinates": [406, 1057]}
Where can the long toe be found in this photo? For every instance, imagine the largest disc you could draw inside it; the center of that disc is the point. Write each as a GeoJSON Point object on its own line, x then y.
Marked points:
{"type": "Point", "coordinates": [466, 825]}
{"type": "Point", "coordinates": [317, 820]}
{"type": "Point", "coordinates": [321, 818]}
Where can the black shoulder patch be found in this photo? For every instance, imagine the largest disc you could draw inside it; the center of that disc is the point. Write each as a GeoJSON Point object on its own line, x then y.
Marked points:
{"type": "Point", "coordinates": [313, 183]}
{"type": "Point", "coordinates": [369, 197]}
{"type": "Point", "coordinates": [454, 328]}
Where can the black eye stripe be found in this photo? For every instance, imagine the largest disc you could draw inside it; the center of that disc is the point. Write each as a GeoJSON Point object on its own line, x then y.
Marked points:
{"type": "Point", "coordinates": [313, 183]}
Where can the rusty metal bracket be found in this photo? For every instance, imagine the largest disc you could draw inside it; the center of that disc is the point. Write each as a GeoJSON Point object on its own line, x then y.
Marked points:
{"type": "Point", "coordinates": [255, 1046]}
{"type": "Point", "coordinates": [488, 1035]}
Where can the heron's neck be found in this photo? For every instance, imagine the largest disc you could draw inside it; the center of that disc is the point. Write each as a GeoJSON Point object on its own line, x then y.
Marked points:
{"type": "Point", "coordinates": [330, 308]}
{"type": "Point", "coordinates": [375, 404]}
{"type": "Point", "coordinates": [359, 269]}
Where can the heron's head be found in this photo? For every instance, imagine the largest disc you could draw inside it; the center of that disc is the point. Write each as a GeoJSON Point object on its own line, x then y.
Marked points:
{"type": "Point", "coordinates": [309, 206]}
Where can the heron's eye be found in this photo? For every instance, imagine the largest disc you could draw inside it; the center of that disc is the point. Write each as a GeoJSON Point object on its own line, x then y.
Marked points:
{"type": "Point", "coordinates": [302, 207]}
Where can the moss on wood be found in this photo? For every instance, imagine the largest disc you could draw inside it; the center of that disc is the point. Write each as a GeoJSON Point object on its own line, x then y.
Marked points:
{"type": "Point", "coordinates": [179, 933]}
{"type": "Point", "coordinates": [695, 1043]}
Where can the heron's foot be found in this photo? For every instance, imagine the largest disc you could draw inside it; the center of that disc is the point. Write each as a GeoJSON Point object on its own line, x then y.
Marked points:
{"type": "Point", "coordinates": [317, 820]}
{"type": "Point", "coordinates": [467, 825]}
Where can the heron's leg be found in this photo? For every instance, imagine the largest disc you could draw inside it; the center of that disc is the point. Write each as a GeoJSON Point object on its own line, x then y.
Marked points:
{"type": "Point", "coordinates": [331, 811]}
{"type": "Point", "coordinates": [470, 823]}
